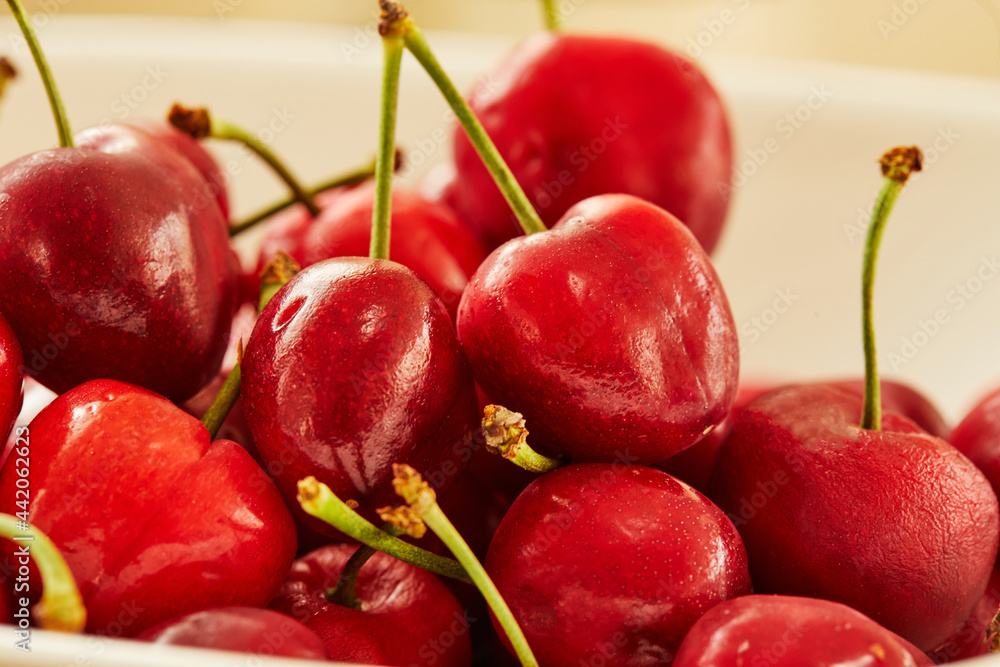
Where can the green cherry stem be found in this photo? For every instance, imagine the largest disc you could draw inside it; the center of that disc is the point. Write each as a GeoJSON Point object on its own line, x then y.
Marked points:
{"type": "Point", "coordinates": [61, 607]}
{"type": "Point", "coordinates": [198, 123]}
{"type": "Point", "coordinates": [319, 501]}
{"type": "Point", "coordinates": [392, 45]}
{"type": "Point", "coordinates": [345, 593]}
{"type": "Point", "coordinates": [505, 434]}
{"type": "Point", "coordinates": [273, 277]}
{"type": "Point", "coordinates": [353, 177]}
{"type": "Point", "coordinates": [551, 12]}
{"type": "Point", "coordinates": [55, 100]}
{"type": "Point", "coordinates": [897, 165]}
{"type": "Point", "coordinates": [422, 502]}
{"type": "Point", "coordinates": [396, 19]}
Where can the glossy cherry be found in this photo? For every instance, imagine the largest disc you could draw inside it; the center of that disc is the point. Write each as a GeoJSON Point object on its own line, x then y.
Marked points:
{"type": "Point", "coordinates": [978, 437]}
{"type": "Point", "coordinates": [260, 632]}
{"type": "Point", "coordinates": [353, 366]}
{"type": "Point", "coordinates": [609, 332]}
{"type": "Point", "coordinates": [615, 561]}
{"type": "Point", "coordinates": [408, 616]}
{"type": "Point", "coordinates": [694, 465]}
{"type": "Point", "coordinates": [426, 237]}
{"type": "Point", "coordinates": [11, 379]}
{"type": "Point", "coordinates": [576, 116]}
{"type": "Point", "coordinates": [153, 519]}
{"type": "Point", "coordinates": [895, 523]}
{"type": "Point", "coordinates": [108, 268]}
{"type": "Point", "coordinates": [783, 631]}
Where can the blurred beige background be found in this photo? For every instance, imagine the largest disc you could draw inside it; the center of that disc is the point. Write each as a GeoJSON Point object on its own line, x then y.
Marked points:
{"type": "Point", "coordinates": [958, 36]}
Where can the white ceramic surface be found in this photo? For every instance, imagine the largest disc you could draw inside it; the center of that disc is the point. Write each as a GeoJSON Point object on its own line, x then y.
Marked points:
{"type": "Point", "coordinates": [808, 136]}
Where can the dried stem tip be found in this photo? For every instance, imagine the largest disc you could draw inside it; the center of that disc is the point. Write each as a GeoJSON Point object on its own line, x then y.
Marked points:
{"type": "Point", "coordinates": [279, 270]}
{"type": "Point", "coordinates": [393, 21]}
{"type": "Point", "coordinates": [504, 430]}
{"type": "Point", "coordinates": [405, 519]}
{"type": "Point", "coordinates": [7, 69]}
{"type": "Point", "coordinates": [993, 634]}
{"type": "Point", "coordinates": [900, 162]}
{"type": "Point", "coordinates": [194, 122]}
{"type": "Point", "coordinates": [409, 485]}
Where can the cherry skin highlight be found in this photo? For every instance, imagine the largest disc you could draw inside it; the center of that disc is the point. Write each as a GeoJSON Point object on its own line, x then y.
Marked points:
{"type": "Point", "coordinates": [577, 116]}
{"type": "Point", "coordinates": [895, 523]}
{"type": "Point", "coordinates": [609, 332]}
{"type": "Point", "coordinates": [153, 519]}
{"type": "Point", "coordinates": [351, 367]}
{"type": "Point", "coordinates": [108, 268]}
{"type": "Point", "coordinates": [613, 560]}
{"type": "Point", "coordinates": [408, 616]}
{"type": "Point", "coordinates": [243, 629]}
{"type": "Point", "coordinates": [426, 237]}
{"type": "Point", "coordinates": [785, 631]}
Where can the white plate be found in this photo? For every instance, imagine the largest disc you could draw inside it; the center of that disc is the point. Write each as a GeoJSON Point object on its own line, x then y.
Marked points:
{"type": "Point", "coordinates": [790, 257]}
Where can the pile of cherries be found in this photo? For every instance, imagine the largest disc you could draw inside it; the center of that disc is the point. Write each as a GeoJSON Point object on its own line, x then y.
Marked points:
{"type": "Point", "coordinates": [666, 516]}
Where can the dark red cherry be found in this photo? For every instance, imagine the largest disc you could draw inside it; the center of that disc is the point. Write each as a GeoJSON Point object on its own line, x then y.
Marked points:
{"type": "Point", "coordinates": [426, 237]}
{"type": "Point", "coordinates": [11, 379]}
{"type": "Point", "coordinates": [895, 523]}
{"type": "Point", "coordinates": [260, 632]}
{"type": "Point", "coordinates": [609, 332]}
{"type": "Point", "coordinates": [153, 519]}
{"type": "Point", "coordinates": [408, 616]}
{"type": "Point", "coordinates": [576, 116]}
{"type": "Point", "coordinates": [613, 561]}
{"type": "Point", "coordinates": [109, 270]}
{"type": "Point", "coordinates": [353, 366]}
{"type": "Point", "coordinates": [781, 631]}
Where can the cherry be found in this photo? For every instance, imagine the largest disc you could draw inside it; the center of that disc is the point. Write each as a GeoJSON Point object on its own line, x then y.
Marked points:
{"type": "Point", "coordinates": [978, 437]}
{"type": "Point", "coordinates": [614, 561]}
{"type": "Point", "coordinates": [407, 614]}
{"type": "Point", "coordinates": [153, 519]}
{"type": "Point", "coordinates": [833, 503]}
{"type": "Point", "coordinates": [352, 366]}
{"type": "Point", "coordinates": [11, 379]}
{"type": "Point", "coordinates": [260, 632]}
{"type": "Point", "coordinates": [427, 237]}
{"type": "Point", "coordinates": [640, 352]}
{"type": "Point", "coordinates": [577, 116]}
{"type": "Point", "coordinates": [790, 631]}
{"type": "Point", "coordinates": [970, 639]}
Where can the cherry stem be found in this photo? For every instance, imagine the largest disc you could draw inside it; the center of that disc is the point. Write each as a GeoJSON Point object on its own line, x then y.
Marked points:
{"type": "Point", "coordinates": [353, 177]}
{"type": "Point", "coordinates": [7, 74]}
{"type": "Point", "coordinates": [225, 399]}
{"type": "Point", "coordinates": [897, 165]}
{"type": "Point", "coordinates": [422, 500]}
{"type": "Point", "coordinates": [382, 210]}
{"type": "Point", "coordinates": [506, 434]}
{"type": "Point", "coordinates": [396, 20]}
{"type": "Point", "coordinates": [61, 607]}
{"type": "Point", "coordinates": [552, 19]}
{"type": "Point", "coordinates": [318, 500]}
{"type": "Point", "coordinates": [345, 593]}
{"type": "Point", "coordinates": [199, 123]}
{"type": "Point", "coordinates": [55, 100]}
{"type": "Point", "coordinates": [274, 276]}
{"type": "Point", "coordinates": [993, 634]}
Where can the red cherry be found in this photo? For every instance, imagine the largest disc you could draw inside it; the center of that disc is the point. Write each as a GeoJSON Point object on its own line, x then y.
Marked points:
{"type": "Point", "coordinates": [201, 159]}
{"type": "Point", "coordinates": [110, 271]}
{"type": "Point", "coordinates": [970, 640]}
{"type": "Point", "coordinates": [784, 631]}
{"type": "Point", "coordinates": [11, 379]}
{"type": "Point", "coordinates": [978, 437]}
{"type": "Point", "coordinates": [408, 615]}
{"type": "Point", "coordinates": [609, 332]}
{"type": "Point", "coordinates": [153, 519]}
{"type": "Point", "coordinates": [353, 366]}
{"type": "Point", "coordinates": [576, 116]}
{"type": "Point", "coordinates": [426, 237]}
{"type": "Point", "coordinates": [244, 629]}
{"type": "Point", "coordinates": [895, 523]}
{"type": "Point", "coordinates": [614, 561]}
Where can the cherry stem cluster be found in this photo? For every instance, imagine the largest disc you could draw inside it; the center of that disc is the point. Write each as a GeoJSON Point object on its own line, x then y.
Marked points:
{"type": "Point", "coordinates": [897, 165]}
{"type": "Point", "coordinates": [55, 100]}
{"type": "Point", "coordinates": [385, 157]}
{"type": "Point", "coordinates": [421, 504]}
{"type": "Point", "coordinates": [318, 500]}
{"type": "Point", "coordinates": [61, 607]}
{"type": "Point", "coordinates": [396, 21]}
